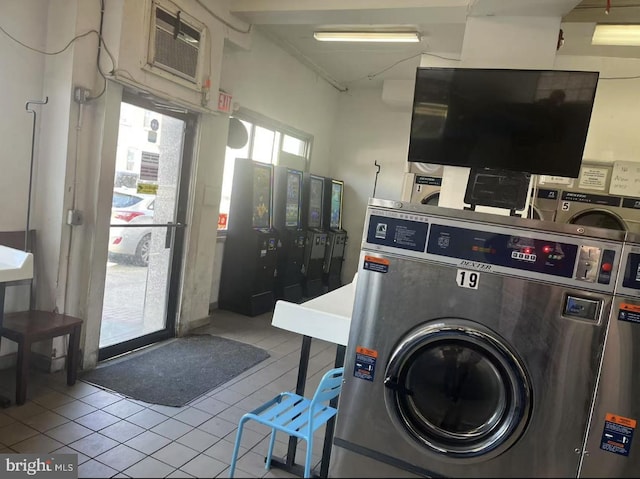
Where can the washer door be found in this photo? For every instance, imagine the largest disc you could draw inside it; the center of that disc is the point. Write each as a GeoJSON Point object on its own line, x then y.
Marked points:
{"type": "Point", "coordinates": [599, 219]}
{"type": "Point", "coordinates": [458, 390]}
{"type": "Point", "coordinates": [431, 199]}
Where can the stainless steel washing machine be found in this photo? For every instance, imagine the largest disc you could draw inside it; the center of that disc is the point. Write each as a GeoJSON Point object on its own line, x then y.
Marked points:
{"type": "Point", "coordinates": [592, 207]}
{"type": "Point", "coordinates": [474, 344]}
{"type": "Point", "coordinates": [611, 450]}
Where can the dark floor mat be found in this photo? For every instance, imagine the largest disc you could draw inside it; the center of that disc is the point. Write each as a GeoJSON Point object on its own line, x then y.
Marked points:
{"type": "Point", "coordinates": [177, 372]}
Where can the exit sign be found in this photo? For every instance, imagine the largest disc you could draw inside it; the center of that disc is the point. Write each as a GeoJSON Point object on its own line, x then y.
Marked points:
{"type": "Point", "coordinates": [224, 102]}
{"type": "Point", "coordinates": [222, 221]}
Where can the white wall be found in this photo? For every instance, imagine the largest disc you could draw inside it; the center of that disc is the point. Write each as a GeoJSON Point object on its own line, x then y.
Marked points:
{"type": "Point", "coordinates": [613, 134]}
{"type": "Point", "coordinates": [18, 65]}
{"type": "Point", "coordinates": [367, 130]}
{"type": "Point", "coordinates": [270, 81]}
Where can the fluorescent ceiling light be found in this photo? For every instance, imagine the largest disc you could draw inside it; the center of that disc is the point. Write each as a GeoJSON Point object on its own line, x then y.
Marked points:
{"type": "Point", "coordinates": [367, 36]}
{"type": "Point", "coordinates": [628, 35]}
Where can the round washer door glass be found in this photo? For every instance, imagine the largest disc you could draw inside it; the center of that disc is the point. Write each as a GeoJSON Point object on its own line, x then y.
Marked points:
{"type": "Point", "coordinates": [458, 390]}
{"type": "Point", "coordinates": [599, 219]}
{"type": "Point", "coordinates": [431, 200]}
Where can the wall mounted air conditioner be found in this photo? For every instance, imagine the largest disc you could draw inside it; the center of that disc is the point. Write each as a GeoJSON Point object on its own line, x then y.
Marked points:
{"type": "Point", "coordinates": [176, 45]}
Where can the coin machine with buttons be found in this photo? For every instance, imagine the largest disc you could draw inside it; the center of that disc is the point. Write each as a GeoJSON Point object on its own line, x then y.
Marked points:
{"type": "Point", "coordinates": [336, 236]}
{"type": "Point", "coordinates": [287, 219]}
{"type": "Point", "coordinates": [247, 279]}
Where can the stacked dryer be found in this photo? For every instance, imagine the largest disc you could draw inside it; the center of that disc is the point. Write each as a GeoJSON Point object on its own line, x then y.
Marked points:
{"type": "Point", "coordinates": [422, 184]}
{"type": "Point", "coordinates": [424, 181]}
{"type": "Point", "coordinates": [588, 202]}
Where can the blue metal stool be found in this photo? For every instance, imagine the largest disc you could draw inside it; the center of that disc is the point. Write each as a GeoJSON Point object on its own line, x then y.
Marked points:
{"type": "Point", "coordinates": [294, 415]}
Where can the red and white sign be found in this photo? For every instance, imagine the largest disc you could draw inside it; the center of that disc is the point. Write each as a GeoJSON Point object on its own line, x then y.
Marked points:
{"type": "Point", "coordinates": [222, 221]}
{"type": "Point", "coordinates": [224, 102]}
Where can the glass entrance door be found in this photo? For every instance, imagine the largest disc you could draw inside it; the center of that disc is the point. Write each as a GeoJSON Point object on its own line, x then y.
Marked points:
{"type": "Point", "coordinates": [147, 224]}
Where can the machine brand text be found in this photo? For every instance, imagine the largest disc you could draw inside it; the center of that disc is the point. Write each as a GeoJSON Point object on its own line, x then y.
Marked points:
{"type": "Point", "coordinates": [474, 265]}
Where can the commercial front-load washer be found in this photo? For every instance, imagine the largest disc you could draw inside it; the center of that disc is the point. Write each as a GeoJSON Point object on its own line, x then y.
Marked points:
{"type": "Point", "coordinates": [474, 344]}
{"type": "Point", "coordinates": [589, 206]}
{"type": "Point", "coordinates": [611, 449]}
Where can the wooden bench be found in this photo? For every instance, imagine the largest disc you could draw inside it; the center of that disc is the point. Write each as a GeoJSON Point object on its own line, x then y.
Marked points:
{"type": "Point", "coordinates": [28, 327]}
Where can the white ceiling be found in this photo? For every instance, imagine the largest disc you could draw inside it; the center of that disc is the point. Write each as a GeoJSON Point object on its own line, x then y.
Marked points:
{"type": "Point", "coordinates": [291, 24]}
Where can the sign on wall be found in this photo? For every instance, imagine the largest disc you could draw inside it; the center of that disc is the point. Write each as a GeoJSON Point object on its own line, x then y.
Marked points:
{"type": "Point", "coordinates": [625, 179]}
{"type": "Point", "coordinates": [224, 102]}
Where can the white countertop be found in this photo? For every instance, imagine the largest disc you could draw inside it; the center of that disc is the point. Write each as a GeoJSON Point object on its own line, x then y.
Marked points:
{"type": "Point", "coordinates": [327, 317]}
{"type": "Point", "coordinates": [15, 265]}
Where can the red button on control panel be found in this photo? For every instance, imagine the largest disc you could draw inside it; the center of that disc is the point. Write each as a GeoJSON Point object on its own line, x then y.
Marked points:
{"type": "Point", "coordinates": [607, 267]}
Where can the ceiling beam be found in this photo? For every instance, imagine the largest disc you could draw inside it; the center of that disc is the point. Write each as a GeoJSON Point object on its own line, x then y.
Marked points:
{"type": "Point", "coordinates": [354, 12]}
{"type": "Point", "coordinates": [517, 8]}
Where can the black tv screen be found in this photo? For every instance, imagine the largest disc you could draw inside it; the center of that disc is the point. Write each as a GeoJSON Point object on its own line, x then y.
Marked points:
{"type": "Point", "coordinates": [535, 121]}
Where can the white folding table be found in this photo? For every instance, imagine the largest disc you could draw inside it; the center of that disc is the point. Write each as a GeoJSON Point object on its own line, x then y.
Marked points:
{"type": "Point", "coordinates": [327, 317]}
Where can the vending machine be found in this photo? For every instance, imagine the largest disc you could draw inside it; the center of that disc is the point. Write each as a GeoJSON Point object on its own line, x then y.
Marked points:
{"type": "Point", "coordinates": [315, 234]}
{"type": "Point", "coordinates": [336, 236]}
{"type": "Point", "coordinates": [250, 249]}
{"type": "Point", "coordinates": [287, 220]}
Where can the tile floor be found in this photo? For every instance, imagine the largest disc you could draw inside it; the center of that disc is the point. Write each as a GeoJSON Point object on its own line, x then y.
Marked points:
{"type": "Point", "coordinates": [118, 437]}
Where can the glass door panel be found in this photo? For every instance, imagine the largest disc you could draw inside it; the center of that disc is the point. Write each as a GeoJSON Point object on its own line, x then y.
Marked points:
{"type": "Point", "coordinates": [144, 220]}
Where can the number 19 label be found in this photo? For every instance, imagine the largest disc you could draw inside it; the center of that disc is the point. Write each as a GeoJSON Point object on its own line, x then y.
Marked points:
{"type": "Point", "coordinates": [468, 279]}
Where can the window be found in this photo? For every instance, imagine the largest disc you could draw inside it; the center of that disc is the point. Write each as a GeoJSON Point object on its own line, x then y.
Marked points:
{"type": "Point", "coordinates": [294, 146]}
{"type": "Point", "coordinates": [268, 142]}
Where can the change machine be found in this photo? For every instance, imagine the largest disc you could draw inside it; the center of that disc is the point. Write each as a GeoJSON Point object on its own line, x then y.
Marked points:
{"type": "Point", "coordinates": [250, 250]}
{"type": "Point", "coordinates": [287, 219]}
{"type": "Point", "coordinates": [316, 236]}
{"type": "Point", "coordinates": [336, 236]}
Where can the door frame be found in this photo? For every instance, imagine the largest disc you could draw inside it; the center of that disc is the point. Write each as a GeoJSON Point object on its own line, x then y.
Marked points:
{"type": "Point", "coordinates": [144, 100]}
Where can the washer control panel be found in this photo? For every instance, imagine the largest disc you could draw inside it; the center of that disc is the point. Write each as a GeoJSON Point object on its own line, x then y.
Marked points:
{"type": "Point", "coordinates": [629, 278]}
{"type": "Point", "coordinates": [568, 259]}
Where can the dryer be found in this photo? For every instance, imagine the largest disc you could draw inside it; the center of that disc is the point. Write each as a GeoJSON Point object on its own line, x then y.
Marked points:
{"type": "Point", "coordinates": [611, 449]}
{"type": "Point", "coordinates": [584, 205]}
{"type": "Point", "coordinates": [426, 181]}
{"type": "Point", "coordinates": [544, 201]}
{"type": "Point", "coordinates": [474, 344]}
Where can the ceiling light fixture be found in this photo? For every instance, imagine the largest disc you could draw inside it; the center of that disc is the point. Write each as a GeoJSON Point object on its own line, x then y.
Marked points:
{"type": "Point", "coordinates": [413, 37]}
{"type": "Point", "coordinates": [626, 35]}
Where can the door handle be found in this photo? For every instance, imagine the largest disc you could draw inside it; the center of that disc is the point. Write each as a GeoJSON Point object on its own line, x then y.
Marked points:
{"type": "Point", "coordinates": [169, 236]}
{"type": "Point", "coordinates": [171, 228]}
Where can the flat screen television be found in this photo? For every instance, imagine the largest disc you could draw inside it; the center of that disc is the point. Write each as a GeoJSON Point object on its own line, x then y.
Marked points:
{"type": "Point", "coordinates": [335, 223]}
{"type": "Point", "coordinates": [262, 189]}
{"type": "Point", "coordinates": [535, 121]}
{"type": "Point", "coordinates": [292, 205]}
{"type": "Point", "coordinates": [316, 186]}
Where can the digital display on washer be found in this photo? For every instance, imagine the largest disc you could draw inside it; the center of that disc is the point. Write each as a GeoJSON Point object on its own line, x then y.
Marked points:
{"type": "Point", "coordinates": [397, 233]}
{"type": "Point", "coordinates": [631, 277]}
{"type": "Point", "coordinates": [530, 254]}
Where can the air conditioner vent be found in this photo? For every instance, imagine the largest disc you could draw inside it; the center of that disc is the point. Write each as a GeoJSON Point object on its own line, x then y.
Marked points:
{"type": "Point", "coordinates": [175, 45]}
